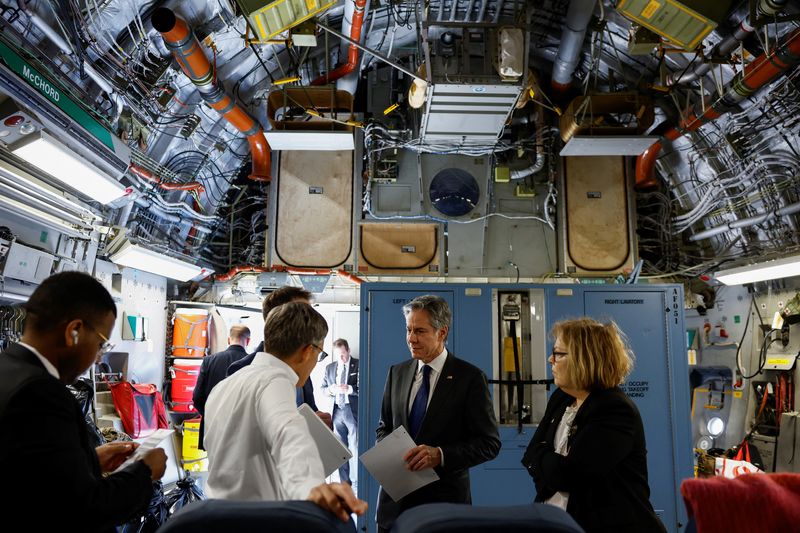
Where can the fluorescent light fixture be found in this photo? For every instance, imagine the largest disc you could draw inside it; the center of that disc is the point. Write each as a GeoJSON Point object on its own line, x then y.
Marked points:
{"type": "Point", "coordinates": [779, 268]}
{"type": "Point", "coordinates": [46, 153]}
{"type": "Point", "coordinates": [310, 140]}
{"type": "Point", "coordinates": [631, 145]}
{"type": "Point", "coordinates": [135, 256]}
{"type": "Point", "coordinates": [15, 207]}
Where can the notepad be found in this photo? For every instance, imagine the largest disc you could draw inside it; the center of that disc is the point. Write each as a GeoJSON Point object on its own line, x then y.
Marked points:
{"type": "Point", "coordinates": [331, 450]}
{"type": "Point", "coordinates": [385, 462]}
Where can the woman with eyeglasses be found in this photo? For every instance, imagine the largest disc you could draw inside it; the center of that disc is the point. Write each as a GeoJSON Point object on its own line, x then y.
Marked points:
{"type": "Point", "coordinates": [588, 455]}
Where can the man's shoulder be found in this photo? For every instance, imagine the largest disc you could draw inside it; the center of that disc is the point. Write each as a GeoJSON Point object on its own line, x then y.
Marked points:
{"type": "Point", "coordinates": [460, 365]}
{"type": "Point", "coordinates": [21, 375]}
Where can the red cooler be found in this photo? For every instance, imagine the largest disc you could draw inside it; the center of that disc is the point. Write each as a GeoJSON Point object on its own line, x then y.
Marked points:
{"type": "Point", "coordinates": [184, 374]}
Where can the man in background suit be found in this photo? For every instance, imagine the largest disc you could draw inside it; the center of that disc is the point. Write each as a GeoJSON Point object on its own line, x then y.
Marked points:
{"type": "Point", "coordinates": [54, 480]}
{"type": "Point", "coordinates": [341, 382]}
{"type": "Point", "coordinates": [444, 404]}
{"type": "Point", "coordinates": [215, 368]}
{"type": "Point", "coordinates": [280, 296]}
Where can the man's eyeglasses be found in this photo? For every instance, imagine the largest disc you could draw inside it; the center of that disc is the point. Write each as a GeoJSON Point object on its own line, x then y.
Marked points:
{"type": "Point", "coordinates": [558, 356]}
{"type": "Point", "coordinates": [322, 353]}
{"type": "Point", "coordinates": [107, 345]}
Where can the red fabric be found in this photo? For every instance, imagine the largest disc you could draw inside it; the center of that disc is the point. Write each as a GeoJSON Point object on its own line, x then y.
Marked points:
{"type": "Point", "coordinates": [140, 407]}
{"type": "Point", "coordinates": [750, 502]}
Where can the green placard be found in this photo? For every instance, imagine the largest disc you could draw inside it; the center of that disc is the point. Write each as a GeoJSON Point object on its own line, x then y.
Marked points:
{"type": "Point", "coordinates": [50, 90]}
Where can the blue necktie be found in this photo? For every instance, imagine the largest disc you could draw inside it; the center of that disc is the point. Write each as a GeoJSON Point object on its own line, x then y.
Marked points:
{"type": "Point", "coordinates": [298, 396]}
{"type": "Point", "coordinates": [420, 404]}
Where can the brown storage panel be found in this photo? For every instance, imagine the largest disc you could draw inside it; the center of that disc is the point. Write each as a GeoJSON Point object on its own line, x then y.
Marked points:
{"type": "Point", "coordinates": [314, 216]}
{"type": "Point", "coordinates": [399, 248]}
{"type": "Point", "coordinates": [598, 230]}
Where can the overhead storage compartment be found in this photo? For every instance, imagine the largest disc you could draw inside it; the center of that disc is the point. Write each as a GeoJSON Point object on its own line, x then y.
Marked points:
{"type": "Point", "coordinates": [312, 209]}
{"type": "Point", "coordinates": [400, 248]}
{"type": "Point", "coordinates": [596, 234]}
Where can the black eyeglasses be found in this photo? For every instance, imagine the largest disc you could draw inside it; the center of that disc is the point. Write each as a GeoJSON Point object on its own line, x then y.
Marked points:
{"type": "Point", "coordinates": [558, 356]}
{"type": "Point", "coordinates": [107, 345]}
{"type": "Point", "coordinates": [322, 353]}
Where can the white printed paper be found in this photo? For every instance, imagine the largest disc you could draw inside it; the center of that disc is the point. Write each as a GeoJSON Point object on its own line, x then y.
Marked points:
{"type": "Point", "coordinates": [385, 462]}
{"type": "Point", "coordinates": [331, 450]}
{"type": "Point", "coordinates": [146, 445]}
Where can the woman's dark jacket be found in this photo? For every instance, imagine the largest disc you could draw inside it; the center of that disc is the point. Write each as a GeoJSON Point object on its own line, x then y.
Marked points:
{"type": "Point", "coordinates": [605, 471]}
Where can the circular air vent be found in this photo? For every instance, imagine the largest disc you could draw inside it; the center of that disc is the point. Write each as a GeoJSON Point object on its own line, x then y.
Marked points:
{"type": "Point", "coordinates": [454, 192]}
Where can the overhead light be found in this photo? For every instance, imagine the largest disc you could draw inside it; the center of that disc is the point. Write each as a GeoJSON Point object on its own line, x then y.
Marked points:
{"type": "Point", "coordinates": [779, 268]}
{"type": "Point", "coordinates": [141, 258]}
{"type": "Point", "coordinates": [47, 220]}
{"type": "Point", "coordinates": [51, 156]}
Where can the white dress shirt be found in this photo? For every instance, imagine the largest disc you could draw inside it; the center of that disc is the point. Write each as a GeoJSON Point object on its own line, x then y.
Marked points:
{"type": "Point", "coordinates": [259, 447]}
{"type": "Point", "coordinates": [52, 370]}
{"type": "Point", "coordinates": [436, 370]}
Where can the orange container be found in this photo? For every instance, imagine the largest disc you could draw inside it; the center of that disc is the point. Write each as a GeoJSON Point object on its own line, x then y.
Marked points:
{"type": "Point", "coordinates": [189, 332]}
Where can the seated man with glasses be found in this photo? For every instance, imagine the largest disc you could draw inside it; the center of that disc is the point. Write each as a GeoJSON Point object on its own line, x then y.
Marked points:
{"type": "Point", "coordinates": [259, 446]}
{"type": "Point", "coordinates": [44, 444]}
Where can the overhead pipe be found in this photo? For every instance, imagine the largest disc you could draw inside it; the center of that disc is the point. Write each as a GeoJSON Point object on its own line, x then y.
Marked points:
{"type": "Point", "coordinates": [249, 269]}
{"type": "Point", "coordinates": [729, 43]}
{"type": "Point", "coordinates": [356, 24]}
{"type": "Point", "coordinates": [538, 164]}
{"type": "Point", "coordinates": [148, 176]}
{"type": "Point", "coordinates": [761, 71]}
{"type": "Point", "coordinates": [790, 209]}
{"type": "Point", "coordinates": [235, 271]}
{"type": "Point", "coordinates": [349, 276]}
{"type": "Point", "coordinates": [578, 16]}
{"type": "Point", "coordinates": [184, 46]}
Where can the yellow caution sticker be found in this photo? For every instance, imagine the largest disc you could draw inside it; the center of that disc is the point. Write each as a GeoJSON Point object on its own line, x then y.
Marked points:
{"type": "Point", "coordinates": [737, 394]}
{"type": "Point", "coordinates": [777, 362]}
{"type": "Point", "coordinates": [651, 8]}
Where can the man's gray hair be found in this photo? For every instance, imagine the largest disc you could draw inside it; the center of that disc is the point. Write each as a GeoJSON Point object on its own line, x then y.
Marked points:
{"type": "Point", "coordinates": [291, 327]}
{"type": "Point", "coordinates": [436, 306]}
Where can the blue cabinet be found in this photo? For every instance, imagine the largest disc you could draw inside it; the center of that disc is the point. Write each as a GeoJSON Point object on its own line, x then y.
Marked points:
{"type": "Point", "coordinates": [650, 315]}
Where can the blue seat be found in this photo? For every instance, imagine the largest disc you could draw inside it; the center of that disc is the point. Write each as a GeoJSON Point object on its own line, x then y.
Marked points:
{"type": "Point", "coordinates": [223, 516]}
{"type": "Point", "coordinates": [461, 518]}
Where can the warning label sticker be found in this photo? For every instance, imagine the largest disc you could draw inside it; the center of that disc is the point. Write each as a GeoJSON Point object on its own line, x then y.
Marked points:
{"type": "Point", "coordinates": [636, 389]}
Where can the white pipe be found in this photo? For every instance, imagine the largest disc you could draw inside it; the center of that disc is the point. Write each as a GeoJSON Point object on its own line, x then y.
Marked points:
{"type": "Point", "coordinates": [98, 78]}
{"type": "Point", "coordinates": [59, 41]}
{"type": "Point", "coordinates": [727, 45]}
{"type": "Point", "coordinates": [469, 10]}
{"type": "Point", "coordinates": [790, 209]}
{"type": "Point", "coordinates": [578, 17]}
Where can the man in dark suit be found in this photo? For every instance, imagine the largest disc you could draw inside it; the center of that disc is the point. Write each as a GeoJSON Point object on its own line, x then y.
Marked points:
{"type": "Point", "coordinates": [44, 445]}
{"type": "Point", "coordinates": [444, 404]}
{"type": "Point", "coordinates": [215, 368]}
{"type": "Point", "coordinates": [280, 296]}
{"type": "Point", "coordinates": [341, 382]}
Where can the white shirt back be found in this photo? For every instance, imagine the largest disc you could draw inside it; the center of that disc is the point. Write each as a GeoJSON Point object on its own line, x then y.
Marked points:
{"type": "Point", "coordinates": [259, 446]}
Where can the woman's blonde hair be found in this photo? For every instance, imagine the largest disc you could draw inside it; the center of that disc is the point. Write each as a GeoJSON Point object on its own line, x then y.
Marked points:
{"type": "Point", "coordinates": [599, 356]}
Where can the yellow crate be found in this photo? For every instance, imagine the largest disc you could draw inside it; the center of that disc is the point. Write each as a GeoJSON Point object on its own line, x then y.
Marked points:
{"type": "Point", "coordinates": [683, 22]}
{"type": "Point", "coordinates": [192, 457]}
{"type": "Point", "coordinates": [272, 18]}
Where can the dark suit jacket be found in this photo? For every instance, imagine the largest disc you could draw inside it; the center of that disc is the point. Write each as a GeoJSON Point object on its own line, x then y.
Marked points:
{"type": "Point", "coordinates": [307, 394]}
{"type": "Point", "coordinates": [331, 379]}
{"type": "Point", "coordinates": [460, 420]}
{"type": "Point", "coordinates": [52, 478]}
{"type": "Point", "coordinates": [605, 471]}
{"type": "Point", "coordinates": [213, 369]}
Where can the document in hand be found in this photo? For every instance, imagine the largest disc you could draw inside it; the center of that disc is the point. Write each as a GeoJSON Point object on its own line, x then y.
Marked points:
{"type": "Point", "coordinates": [331, 450]}
{"type": "Point", "coordinates": [152, 441]}
{"type": "Point", "coordinates": [385, 462]}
